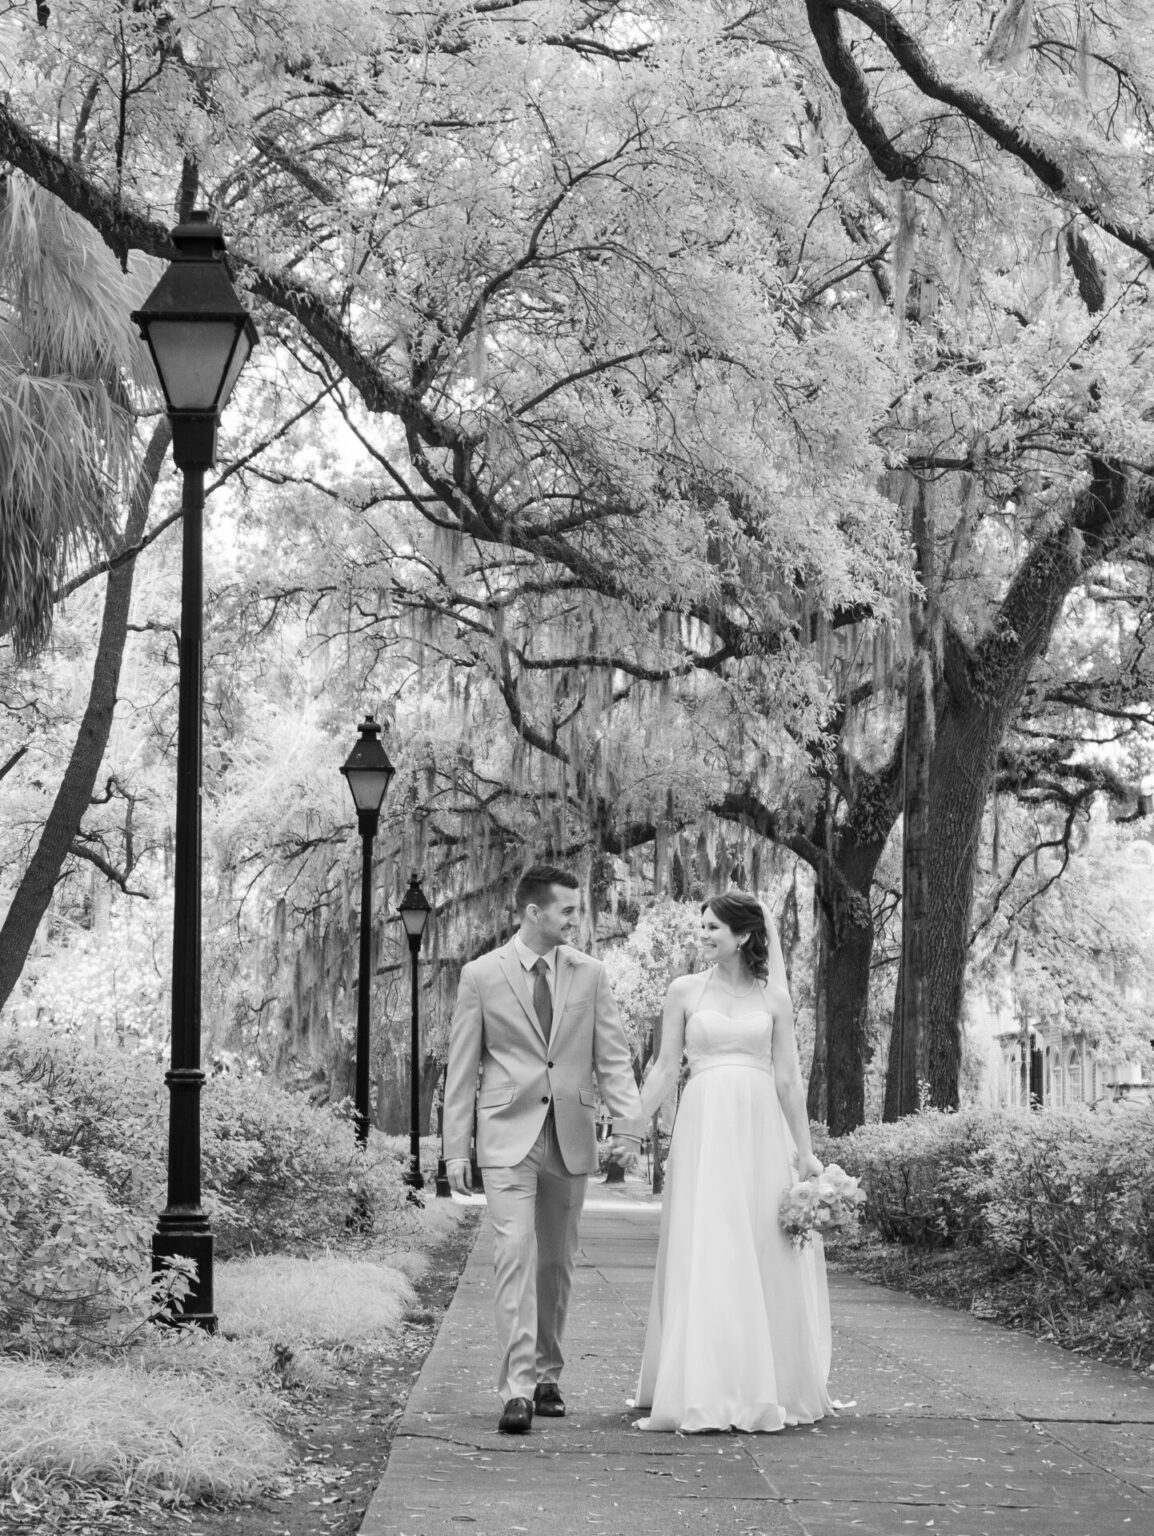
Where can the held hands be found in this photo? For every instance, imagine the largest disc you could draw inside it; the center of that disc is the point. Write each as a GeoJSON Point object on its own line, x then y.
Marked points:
{"type": "Point", "coordinates": [622, 1149]}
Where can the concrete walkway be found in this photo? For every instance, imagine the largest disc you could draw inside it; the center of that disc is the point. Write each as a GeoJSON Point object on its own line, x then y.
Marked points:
{"type": "Point", "coordinates": [952, 1425]}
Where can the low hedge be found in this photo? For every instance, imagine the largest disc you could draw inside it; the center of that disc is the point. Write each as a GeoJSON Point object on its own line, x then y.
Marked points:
{"type": "Point", "coordinates": [83, 1150]}
{"type": "Point", "coordinates": [1065, 1197]}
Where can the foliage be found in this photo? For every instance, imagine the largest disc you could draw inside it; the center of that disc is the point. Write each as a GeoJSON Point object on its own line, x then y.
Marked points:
{"type": "Point", "coordinates": [1067, 925]}
{"type": "Point", "coordinates": [1058, 1198]}
{"type": "Point", "coordinates": [919, 1175]}
{"type": "Point", "coordinates": [84, 1135]}
{"type": "Point", "coordinates": [68, 356]}
{"type": "Point", "coordinates": [644, 352]}
{"type": "Point", "coordinates": [73, 1263]}
{"type": "Point", "coordinates": [662, 945]}
{"type": "Point", "coordinates": [127, 1428]}
{"type": "Point", "coordinates": [1069, 1200]}
{"type": "Point", "coordinates": [331, 1300]}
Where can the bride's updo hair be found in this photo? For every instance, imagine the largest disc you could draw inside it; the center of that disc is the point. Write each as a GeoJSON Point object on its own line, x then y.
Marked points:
{"type": "Point", "coordinates": [742, 914]}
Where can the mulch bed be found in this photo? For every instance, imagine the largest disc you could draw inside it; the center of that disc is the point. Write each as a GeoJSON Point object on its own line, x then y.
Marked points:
{"type": "Point", "coordinates": [1118, 1330]}
{"type": "Point", "coordinates": [340, 1439]}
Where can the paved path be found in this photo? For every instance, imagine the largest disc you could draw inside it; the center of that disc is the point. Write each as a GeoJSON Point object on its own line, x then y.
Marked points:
{"type": "Point", "coordinates": [953, 1426]}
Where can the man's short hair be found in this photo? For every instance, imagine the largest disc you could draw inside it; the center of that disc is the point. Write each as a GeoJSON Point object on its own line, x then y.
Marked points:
{"type": "Point", "coordinates": [535, 887]}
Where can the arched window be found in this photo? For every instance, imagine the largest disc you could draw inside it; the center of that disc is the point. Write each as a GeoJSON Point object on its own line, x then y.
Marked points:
{"type": "Point", "coordinates": [1074, 1092]}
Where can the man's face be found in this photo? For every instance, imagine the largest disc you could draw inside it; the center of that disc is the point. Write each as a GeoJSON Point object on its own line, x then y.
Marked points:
{"type": "Point", "coordinates": [556, 919]}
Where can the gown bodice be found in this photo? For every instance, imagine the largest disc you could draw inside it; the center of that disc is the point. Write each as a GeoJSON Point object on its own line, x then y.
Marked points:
{"type": "Point", "coordinates": [713, 1040]}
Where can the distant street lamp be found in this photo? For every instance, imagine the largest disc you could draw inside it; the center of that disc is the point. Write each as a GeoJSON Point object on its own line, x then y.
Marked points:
{"type": "Point", "coordinates": [414, 910]}
{"type": "Point", "coordinates": [443, 1187]}
{"type": "Point", "coordinates": [368, 771]}
{"type": "Point", "coordinates": [200, 336]}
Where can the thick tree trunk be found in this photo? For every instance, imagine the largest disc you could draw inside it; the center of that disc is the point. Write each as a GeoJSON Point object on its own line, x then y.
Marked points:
{"type": "Point", "coordinates": [845, 958]}
{"type": "Point", "coordinates": [981, 694]}
{"type": "Point", "coordinates": [961, 767]}
{"type": "Point", "coordinates": [393, 1091]}
{"type": "Point", "coordinates": [907, 1047]}
{"type": "Point", "coordinates": [845, 953]}
{"type": "Point", "coordinates": [72, 798]}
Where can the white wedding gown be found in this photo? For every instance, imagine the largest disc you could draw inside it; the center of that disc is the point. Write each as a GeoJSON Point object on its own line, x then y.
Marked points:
{"type": "Point", "coordinates": [739, 1331]}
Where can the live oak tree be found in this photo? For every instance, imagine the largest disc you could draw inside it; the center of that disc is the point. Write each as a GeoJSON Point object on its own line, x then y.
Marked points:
{"type": "Point", "coordinates": [610, 296]}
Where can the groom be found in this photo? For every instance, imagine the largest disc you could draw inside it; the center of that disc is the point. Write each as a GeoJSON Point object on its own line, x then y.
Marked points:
{"type": "Point", "coordinates": [539, 1020]}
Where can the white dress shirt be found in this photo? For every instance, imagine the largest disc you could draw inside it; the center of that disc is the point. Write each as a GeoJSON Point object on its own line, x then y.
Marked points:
{"type": "Point", "coordinates": [529, 958]}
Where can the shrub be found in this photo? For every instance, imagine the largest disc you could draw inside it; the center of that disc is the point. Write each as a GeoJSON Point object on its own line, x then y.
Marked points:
{"type": "Point", "coordinates": [1062, 1198]}
{"type": "Point", "coordinates": [71, 1260]}
{"type": "Point", "coordinates": [921, 1175]}
{"type": "Point", "coordinates": [83, 1145]}
{"type": "Point", "coordinates": [1068, 1197]}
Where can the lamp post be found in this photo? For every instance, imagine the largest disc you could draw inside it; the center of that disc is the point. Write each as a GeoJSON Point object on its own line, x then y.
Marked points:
{"type": "Point", "coordinates": [443, 1187]}
{"type": "Point", "coordinates": [368, 771]}
{"type": "Point", "coordinates": [200, 336]}
{"type": "Point", "coordinates": [414, 910]}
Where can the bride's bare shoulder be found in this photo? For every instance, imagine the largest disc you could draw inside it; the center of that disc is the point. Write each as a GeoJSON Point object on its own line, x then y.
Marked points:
{"type": "Point", "coordinates": [777, 998]}
{"type": "Point", "coordinates": [680, 986]}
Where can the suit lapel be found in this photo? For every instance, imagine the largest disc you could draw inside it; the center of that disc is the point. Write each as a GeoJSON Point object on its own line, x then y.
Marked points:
{"type": "Point", "coordinates": [519, 984]}
{"type": "Point", "coordinates": [564, 976]}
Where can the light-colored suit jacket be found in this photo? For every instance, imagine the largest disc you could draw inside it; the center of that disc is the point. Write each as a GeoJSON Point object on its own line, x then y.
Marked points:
{"type": "Point", "coordinates": [495, 1029]}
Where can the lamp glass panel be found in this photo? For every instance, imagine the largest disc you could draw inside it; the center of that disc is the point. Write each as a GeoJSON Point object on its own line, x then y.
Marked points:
{"type": "Point", "coordinates": [239, 357]}
{"type": "Point", "coordinates": [192, 356]}
{"type": "Point", "coordinates": [368, 786]}
{"type": "Point", "coordinates": [414, 919]}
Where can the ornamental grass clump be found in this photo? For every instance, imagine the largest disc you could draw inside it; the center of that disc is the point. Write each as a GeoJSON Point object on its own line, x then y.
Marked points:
{"type": "Point", "coordinates": [128, 1429]}
{"type": "Point", "coordinates": [327, 1300]}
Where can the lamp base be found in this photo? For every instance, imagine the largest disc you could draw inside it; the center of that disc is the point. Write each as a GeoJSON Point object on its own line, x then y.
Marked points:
{"type": "Point", "coordinates": [413, 1177]}
{"type": "Point", "coordinates": [197, 1306]}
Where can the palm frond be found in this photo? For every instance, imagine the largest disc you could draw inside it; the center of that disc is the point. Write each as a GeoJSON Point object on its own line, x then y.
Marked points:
{"type": "Point", "coordinates": [70, 365]}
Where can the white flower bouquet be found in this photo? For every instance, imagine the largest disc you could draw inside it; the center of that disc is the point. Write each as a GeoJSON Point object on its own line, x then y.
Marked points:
{"type": "Point", "coordinates": [828, 1203]}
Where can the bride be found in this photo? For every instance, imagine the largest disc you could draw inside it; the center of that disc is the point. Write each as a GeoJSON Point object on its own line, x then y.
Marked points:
{"type": "Point", "coordinates": [738, 1334]}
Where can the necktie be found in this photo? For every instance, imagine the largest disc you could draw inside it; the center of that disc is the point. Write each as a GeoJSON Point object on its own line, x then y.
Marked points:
{"type": "Point", "coordinates": [542, 998]}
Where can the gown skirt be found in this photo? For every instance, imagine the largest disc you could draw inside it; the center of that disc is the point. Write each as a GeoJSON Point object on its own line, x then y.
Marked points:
{"type": "Point", "coordinates": [739, 1328]}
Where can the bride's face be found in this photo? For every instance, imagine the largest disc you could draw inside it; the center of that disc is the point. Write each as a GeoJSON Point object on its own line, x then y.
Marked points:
{"type": "Point", "coordinates": [718, 941]}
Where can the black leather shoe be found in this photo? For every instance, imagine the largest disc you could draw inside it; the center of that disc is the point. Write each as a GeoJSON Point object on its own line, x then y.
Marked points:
{"type": "Point", "coordinates": [547, 1400]}
{"type": "Point", "coordinates": [517, 1417]}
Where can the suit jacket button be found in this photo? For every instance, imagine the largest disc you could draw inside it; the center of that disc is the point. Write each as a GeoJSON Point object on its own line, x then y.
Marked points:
{"type": "Point", "coordinates": [544, 1098]}
{"type": "Point", "coordinates": [549, 1064]}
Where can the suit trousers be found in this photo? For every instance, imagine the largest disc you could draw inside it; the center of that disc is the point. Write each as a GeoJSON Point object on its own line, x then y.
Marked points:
{"type": "Point", "coordinates": [534, 1208]}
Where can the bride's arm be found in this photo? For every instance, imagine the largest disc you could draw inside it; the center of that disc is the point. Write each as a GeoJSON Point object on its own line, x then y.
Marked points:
{"type": "Point", "coordinates": [664, 1072]}
{"type": "Point", "coordinates": [787, 1077]}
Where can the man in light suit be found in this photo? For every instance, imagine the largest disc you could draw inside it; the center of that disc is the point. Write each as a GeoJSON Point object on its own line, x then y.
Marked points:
{"type": "Point", "coordinates": [539, 1021]}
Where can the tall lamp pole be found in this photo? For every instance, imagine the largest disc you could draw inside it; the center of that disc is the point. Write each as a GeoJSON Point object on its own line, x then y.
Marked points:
{"type": "Point", "coordinates": [414, 910]}
{"type": "Point", "coordinates": [200, 337]}
{"type": "Point", "coordinates": [368, 772]}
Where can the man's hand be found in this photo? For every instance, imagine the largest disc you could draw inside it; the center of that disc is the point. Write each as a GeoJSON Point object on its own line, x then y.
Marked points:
{"type": "Point", "coordinates": [623, 1149]}
{"type": "Point", "coordinates": [460, 1175]}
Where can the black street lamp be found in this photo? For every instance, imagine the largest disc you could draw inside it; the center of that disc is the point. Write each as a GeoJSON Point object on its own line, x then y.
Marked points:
{"type": "Point", "coordinates": [444, 1188]}
{"type": "Point", "coordinates": [200, 336]}
{"type": "Point", "coordinates": [414, 910]}
{"type": "Point", "coordinates": [368, 771]}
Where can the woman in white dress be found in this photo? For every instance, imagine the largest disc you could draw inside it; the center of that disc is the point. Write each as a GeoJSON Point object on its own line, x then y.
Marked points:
{"type": "Point", "coordinates": [738, 1334]}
